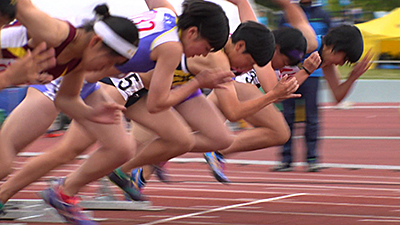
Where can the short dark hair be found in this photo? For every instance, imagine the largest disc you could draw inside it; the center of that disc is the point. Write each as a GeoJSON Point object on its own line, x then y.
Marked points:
{"type": "Point", "coordinates": [8, 9]}
{"type": "Point", "coordinates": [259, 40]}
{"type": "Point", "coordinates": [345, 38]}
{"type": "Point", "coordinates": [210, 20]}
{"type": "Point", "coordinates": [291, 43]}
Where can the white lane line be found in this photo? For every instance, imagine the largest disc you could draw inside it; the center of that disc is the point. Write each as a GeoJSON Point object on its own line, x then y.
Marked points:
{"type": "Point", "coordinates": [354, 137]}
{"type": "Point", "coordinates": [289, 179]}
{"type": "Point", "coordinates": [362, 107]}
{"type": "Point", "coordinates": [223, 208]}
{"type": "Point", "coordinates": [263, 162]}
{"type": "Point", "coordinates": [380, 221]}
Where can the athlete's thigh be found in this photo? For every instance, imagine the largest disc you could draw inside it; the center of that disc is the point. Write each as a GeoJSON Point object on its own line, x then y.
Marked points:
{"type": "Point", "coordinates": [203, 116]}
{"type": "Point", "coordinates": [268, 116]}
{"type": "Point", "coordinates": [29, 120]}
{"type": "Point", "coordinates": [77, 138]}
{"type": "Point", "coordinates": [113, 93]}
{"type": "Point", "coordinates": [109, 135]}
{"type": "Point", "coordinates": [142, 135]}
{"type": "Point", "coordinates": [167, 124]}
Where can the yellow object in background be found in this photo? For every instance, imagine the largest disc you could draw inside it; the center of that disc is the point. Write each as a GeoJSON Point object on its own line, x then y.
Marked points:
{"type": "Point", "coordinates": [300, 111]}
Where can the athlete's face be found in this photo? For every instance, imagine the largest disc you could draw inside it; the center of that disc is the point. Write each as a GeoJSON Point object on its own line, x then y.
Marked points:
{"type": "Point", "coordinates": [197, 48]}
{"type": "Point", "coordinates": [241, 62]}
{"type": "Point", "coordinates": [194, 44]}
{"type": "Point", "coordinates": [279, 60]}
{"type": "Point", "coordinates": [334, 58]}
{"type": "Point", "coordinates": [97, 57]}
{"type": "Point", "coordinates": [238, 59]}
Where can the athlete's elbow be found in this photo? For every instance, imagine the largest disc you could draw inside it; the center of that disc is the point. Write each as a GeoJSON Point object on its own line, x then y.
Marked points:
{"type": "Point", "coordinates": [312, 46]}
{"type": "Point", "coordinates": [233, 117]}
{"type": "Point", "coordinates": [156, 108]}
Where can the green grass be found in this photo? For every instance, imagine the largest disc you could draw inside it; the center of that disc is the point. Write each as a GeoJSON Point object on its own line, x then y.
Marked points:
{"type": "Point", "coordinates": [385, 74]}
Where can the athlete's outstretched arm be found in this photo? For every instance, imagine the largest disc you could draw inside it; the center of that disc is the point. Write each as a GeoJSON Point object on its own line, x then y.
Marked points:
{"type": "Point", "coordinates": [298, 19]}
{"type": "Point", "coordinates": [246, 12]}
{"type": "Point", "coordinates": [152, 4]}
{"type": "Point", "coordinates": [41, 26]}
{"type": "Point", "coordinates": [332, 74]}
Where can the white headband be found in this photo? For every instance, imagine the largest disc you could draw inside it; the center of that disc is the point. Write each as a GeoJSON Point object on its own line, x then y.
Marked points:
{"type": "Point", "coordinates": [113, 40]}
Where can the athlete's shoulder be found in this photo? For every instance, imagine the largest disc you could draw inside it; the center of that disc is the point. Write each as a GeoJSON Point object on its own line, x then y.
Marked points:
{"type": "Point", "coordinates": [13, 35]}
{"type": "Point", "coordinates": [155, 20]}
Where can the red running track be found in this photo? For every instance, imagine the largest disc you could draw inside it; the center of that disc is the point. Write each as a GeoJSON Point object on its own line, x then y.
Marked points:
{"type": "Point", "coordinates": [336, 195]}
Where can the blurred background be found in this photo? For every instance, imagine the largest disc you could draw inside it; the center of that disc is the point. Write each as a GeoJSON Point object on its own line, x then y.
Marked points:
{"type": "Point", "coordinates": [378, 20]}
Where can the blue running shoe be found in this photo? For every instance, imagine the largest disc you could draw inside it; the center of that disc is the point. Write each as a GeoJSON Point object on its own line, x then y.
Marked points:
{"type": "Point", "coordinates": [216, 162]}
{"type": "Point", "coordinates": [69, 210]}
{"type": "Point", "coordinates": [161, 172]}
{"type": "Point", "coordinates": [137, 181]}
{"type": "Point", "coordinates": [122, 180]}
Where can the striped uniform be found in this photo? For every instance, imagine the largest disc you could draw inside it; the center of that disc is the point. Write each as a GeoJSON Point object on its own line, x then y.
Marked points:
{"type": "Point", "coordinates": [182, 75]}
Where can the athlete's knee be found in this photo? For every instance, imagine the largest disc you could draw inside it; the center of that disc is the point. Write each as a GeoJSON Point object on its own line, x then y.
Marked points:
{"type": "Point", "coordinates": [125, 151]}
{"type": "Point", "coordinates": [222, 142]}
{"type": "Point", "coordinates": [283, 135]}
{"type": "Point", "coordinates": [183, 144]}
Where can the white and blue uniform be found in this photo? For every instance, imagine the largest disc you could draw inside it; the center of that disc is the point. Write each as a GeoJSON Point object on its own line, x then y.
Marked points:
{"type": "Point", "coordinates": [50, 90]}
{"type": "Point", "coordinates": [155, 28]}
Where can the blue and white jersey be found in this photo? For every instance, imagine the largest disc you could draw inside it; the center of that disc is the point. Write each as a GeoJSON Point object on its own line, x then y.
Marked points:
{"type": "Point", "coordinates": [155, 28]}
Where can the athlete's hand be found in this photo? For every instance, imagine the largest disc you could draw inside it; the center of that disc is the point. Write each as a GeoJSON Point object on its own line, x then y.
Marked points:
{"type": "Point", "coordinates": [107, 113]}
{"type": "Point", "coordinates": [286, 87]}
{"type": "Point", "coordinates": [213, 78]}
{"type": "Point", "coordinates": [362, 66]}
{"type": "Point", "coordinates": [29, 68]}
{"type": "Point", "coordinates": [312, 62]}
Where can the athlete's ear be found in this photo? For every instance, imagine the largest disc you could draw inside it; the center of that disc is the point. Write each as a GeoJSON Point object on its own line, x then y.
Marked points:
{"type": "Point", "coordinates": [277, 48]}
{"type": "Point", "coordinates": [192, 33]}
{"type": "Point", "coordinates": [95, 40]}
{"type": "Point", "coordinates": [240, 46]}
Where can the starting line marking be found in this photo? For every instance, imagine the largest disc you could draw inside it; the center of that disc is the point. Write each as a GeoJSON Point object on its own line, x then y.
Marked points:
{"type": "Point", "coordinates": [223, 208]}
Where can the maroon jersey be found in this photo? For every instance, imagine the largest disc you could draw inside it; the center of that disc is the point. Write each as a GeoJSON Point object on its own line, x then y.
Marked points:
{"type": "Point", "coordinates": [14, 44]}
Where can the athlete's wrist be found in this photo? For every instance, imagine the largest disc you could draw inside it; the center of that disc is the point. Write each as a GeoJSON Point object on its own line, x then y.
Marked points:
{"type": "Point", "coordinates": [307, 71]}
